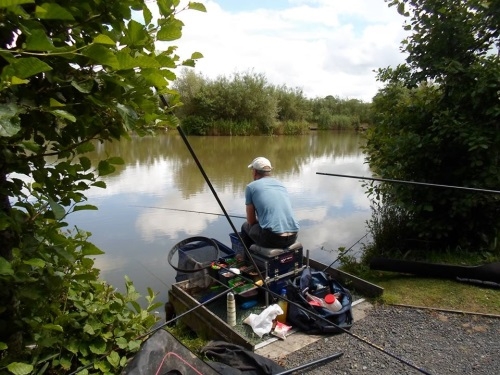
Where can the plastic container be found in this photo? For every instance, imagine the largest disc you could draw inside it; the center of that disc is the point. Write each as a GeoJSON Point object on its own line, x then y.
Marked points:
{"type": "Point", "coordinates": [284, 306]}
{"type": "Point", "coordinates": [332, 303]}
{"type": "Point", "coordinates": [231, 310]}
{"type": "Point", "coordinates": [236, 245]}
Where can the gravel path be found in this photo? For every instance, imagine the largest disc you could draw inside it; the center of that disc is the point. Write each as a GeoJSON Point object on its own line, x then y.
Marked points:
{"type": "Point", "coordinates": [433, 342]}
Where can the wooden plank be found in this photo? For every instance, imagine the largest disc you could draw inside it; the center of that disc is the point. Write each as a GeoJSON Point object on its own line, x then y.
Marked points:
{"type": "Point", "coordinates": [202, 320]}
{"type": "Point", "coordinates": [362, 286]}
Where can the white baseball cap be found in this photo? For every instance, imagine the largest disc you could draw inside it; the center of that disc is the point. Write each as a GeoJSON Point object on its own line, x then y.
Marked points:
{"type": "Point", "coordinates": [261, 164]}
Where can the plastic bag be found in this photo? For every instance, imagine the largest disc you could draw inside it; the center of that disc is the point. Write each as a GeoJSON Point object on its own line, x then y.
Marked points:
{"type": "Point", "coordinates": [263, 323]}
{"type": "Point", "coordinates": [281, 330]}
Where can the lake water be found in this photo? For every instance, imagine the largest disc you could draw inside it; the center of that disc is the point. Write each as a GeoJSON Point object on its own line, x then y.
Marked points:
{"type": "Point", "coordinates": [160, 197]}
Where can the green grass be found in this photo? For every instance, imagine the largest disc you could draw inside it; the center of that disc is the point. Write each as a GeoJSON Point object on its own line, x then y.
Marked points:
{"type": "Point", "coordinates": [401, 289]}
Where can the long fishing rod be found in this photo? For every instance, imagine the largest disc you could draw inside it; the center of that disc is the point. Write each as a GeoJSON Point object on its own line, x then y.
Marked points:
{"type": "Point", "coordinates": [411, 183]}
{"type": "Point", "coordinates": [247, 252]}
{"type": "Point", "coordinates": [195, 212]}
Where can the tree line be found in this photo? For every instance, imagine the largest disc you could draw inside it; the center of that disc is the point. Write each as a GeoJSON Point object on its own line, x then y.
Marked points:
{"type": "Point", "coordinates": [247, 104]}
{"type": "Point", "coordinates": [438, 121]}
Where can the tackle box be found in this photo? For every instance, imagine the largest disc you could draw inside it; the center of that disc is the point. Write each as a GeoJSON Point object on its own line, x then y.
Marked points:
{"type": "Point", "coordinates": [289, 260]}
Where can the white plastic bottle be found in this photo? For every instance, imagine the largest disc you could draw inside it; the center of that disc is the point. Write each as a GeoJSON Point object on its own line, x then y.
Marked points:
{"type": "Point", "coordinates": [231, 310]}
{"type": "Point", "coordinates": [332, 303]}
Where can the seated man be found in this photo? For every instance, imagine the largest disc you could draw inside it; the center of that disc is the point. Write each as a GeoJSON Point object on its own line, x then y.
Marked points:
{"type": "Point", "coordinates": [270, 220]}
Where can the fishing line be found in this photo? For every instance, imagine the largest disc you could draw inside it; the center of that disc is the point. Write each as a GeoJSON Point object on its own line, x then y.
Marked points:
{"type": "Point", "coordinates": [191, 211]}
{"type": "Point", "coordinates": [344, 253]}
{"type": "Point", "coordinates": [411, 183]}
{"type": "Point", "coordinates": [195, 212]}
{"type": "Point", "coordinates": [152, 274]}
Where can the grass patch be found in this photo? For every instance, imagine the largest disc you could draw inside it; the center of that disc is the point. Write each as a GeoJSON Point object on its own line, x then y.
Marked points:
{"type": "Point", "coordinates": [187, 337]}
{"type": "Point", "coordinates": [434, 293]}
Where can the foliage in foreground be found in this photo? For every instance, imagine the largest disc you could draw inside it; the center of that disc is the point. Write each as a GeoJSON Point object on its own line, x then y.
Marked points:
{"type": "Point", "coordinates": [72, 73]}
{"type": "Point", "coordinates": [438, 122]}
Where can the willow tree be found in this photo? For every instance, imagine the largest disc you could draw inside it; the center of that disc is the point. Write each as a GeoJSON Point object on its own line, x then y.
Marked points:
{"type": "Point", "coordinates": [71, 73]}
{"type": "Point", "coordinates": [438, 121]}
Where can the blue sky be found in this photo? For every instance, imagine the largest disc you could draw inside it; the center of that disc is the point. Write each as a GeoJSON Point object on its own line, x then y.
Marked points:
{"type": "Point", "coordinates": [323, 47]}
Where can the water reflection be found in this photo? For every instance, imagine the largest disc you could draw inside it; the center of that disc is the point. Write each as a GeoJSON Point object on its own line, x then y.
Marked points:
{"type": "Point", "coordinates": [136, 230]}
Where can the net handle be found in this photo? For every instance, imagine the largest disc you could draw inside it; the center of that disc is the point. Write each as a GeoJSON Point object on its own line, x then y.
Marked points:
{"type": "Point", "coordinates": [177, 246]}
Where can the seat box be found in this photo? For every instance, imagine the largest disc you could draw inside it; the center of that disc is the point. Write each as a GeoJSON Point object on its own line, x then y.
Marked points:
{"type": "Point", "coordinates": [288, 261]}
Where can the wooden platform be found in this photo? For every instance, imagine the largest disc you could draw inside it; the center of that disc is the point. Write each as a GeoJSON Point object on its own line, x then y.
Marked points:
{"type": "Point", "coordinates": [208, 319]}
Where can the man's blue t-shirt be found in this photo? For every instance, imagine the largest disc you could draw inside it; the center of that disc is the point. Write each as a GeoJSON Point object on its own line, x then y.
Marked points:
{"type": "Point", "coordinates": [272, 204]}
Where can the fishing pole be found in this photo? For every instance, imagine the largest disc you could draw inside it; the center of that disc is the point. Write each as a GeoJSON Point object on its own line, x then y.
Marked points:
{"type": "Point", "coordinates": [195, 212]}
{"type": "Point", "coordinates": [200, 167]}
{"type": "Point", "coordinates": [310, 364]}
{"type": "Point", "coordinates": [411, 183]}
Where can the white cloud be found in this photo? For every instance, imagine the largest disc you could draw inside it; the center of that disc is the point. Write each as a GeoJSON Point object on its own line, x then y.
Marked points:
{"type": "Point", "coordinates": [323, 47]}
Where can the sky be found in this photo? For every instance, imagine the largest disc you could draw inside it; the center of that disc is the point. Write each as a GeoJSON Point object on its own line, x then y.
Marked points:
{"type": "Point", "coordinates": [322, 47]}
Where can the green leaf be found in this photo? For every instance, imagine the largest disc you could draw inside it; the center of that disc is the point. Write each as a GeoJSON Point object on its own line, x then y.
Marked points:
{"type": "Point", "coordinates": [89, 329]}
{"type": "Point", "coordinates": [29, 66]}
{"type": "Point", "coordinates": [91, 249]}
{"type": "Point", "coordinates": [37, 40]}
{"type": "Point", "coordinates": [104, 39]}
{"type": "Point", "coordinates": [147, 15]}
{"type": "Point", "coordinates": [135, 305]}
{"type": "Point", "coordinates": [116, 160]}
{"type": "Point", "coordinates": [55, 103]}
{"type": "Point", "coordinates": [100, 184]}
{"type": "Point", "coordinates": [35, 262]}
{"type": "Point", "coordinates": [125, 61]}
{"type": "Point", "coordinates": [85, 207]}
{"type": "Point", "coordinates": [85, 147]}
{"type": "Point", "coordinates": [9, 121]}
{"type": "Point", "coordinates": [128, 114]}
{"type": "Point", "coordinates": [63, 114]}
{"type": "Point", "coordinates": [135, 34]}
{"type": "Point", "coordinates": [155, 78]}
{"type": "Point", "coordinates": [197, 6]}
{"type": "Point", "coordinates": [196, 55]}
{"type": "Point", "coordinates": [114, 359]}
{"type": "Point", "coordinates": [9, 3]}
{"type": "Point", "coordinates": [53, 327]}
{"type": "Point", "coordinates": [122, 342]}
{"type": "Point", "coordinates": [5, 267]}
{"type": "Point", "coordinates": [102, 55]}
{"type": "Point", "coordinates": [83, 87]}
{"type": "Point", "coordinates": [134, 345]}
{"type": "Point", "coordinates": [18, 368]}
{"type": "Point", "coordinates": [401, 9]}
{"type": "Point", "coordinates": [18, 81]}
{"type": "Point", "coordinates": [3, 346]}
{"type": "Point", "coordinates": [189, 62]}
{"type": "Point", "coordinates": [57, 209]}
{"type": "Point", "coordinates": [98, 346]}
{"type": "Point", "coordinates": [105, 168]}
{"type": "Point", "coordinates": [170, 31]}
{"type": "Point", "coordinates": [53, 11]}
{"type": "Point", "coordinates": [85, 162]}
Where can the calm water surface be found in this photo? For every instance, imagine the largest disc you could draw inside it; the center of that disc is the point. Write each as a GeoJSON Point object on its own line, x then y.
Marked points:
{"type": "Point", "coordinates": [136, 225]}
